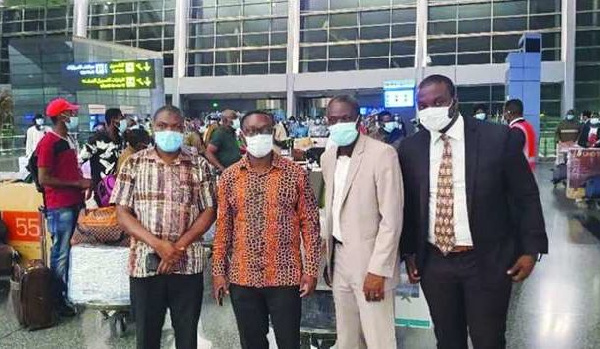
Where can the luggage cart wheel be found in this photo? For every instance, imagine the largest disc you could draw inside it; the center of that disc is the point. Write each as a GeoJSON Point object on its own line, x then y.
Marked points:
{"type": "Point", "coordinates": [121, 327]}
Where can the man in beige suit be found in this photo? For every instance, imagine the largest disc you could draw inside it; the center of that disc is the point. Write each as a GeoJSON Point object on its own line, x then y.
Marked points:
{"type": "Point", "coordinates": [364, 205]}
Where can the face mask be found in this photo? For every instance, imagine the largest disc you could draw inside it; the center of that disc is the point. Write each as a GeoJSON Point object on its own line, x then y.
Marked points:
{"type": "Point", "coordinates": [168, 141]}
{"type": "Point", "coordinates": [259, 146]}
{"type": "Point", "coordinates": [480, 116]}
{"type": "Point", "coordinates": [236, 124]}
{"type": "Point", "coordinates": [570, 117]}
{"type": "Point", "coordinates": [434, 118]}
{"type": "Point", "coordinates": [73, 124]}
{"type": "Point", "coordinates": [122, 126]}
{"type": "Point", "coordinates": [39, 122]}
{"type": "Point", "coordinates": [343, 133]}
{"type": "Point", "coordinates": [389, 127]}
{"type": "Point", "coordinates": [594, 121]}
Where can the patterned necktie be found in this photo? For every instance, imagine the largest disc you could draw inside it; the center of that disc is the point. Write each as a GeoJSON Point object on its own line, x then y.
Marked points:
{"type": "Point", "coordinates": [445, 239]}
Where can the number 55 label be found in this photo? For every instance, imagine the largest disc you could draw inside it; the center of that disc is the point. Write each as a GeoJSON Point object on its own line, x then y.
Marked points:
{"type": "Point", "coordinates": [22, 226]}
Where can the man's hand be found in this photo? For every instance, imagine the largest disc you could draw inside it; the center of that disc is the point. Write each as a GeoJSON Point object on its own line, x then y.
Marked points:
{"type": "Point", "coordinates": [84, 183]}
{"type": "Point", "coordinates": [88, 194]}
{"type": "Point", "coordinates": [220, 287]}
{"type": "Point", "coordinates": [522, 268]}
{"type": "Point", "coordinates": [374, 288]}
{"type": "Point", "coordinates": [164, 268]}
{"type": "Point", "coordinates": [308, 284]}
{"type": "Point", "coordinates": [412, 271]}
{"type": "Point", "coordinates": [168, 252]}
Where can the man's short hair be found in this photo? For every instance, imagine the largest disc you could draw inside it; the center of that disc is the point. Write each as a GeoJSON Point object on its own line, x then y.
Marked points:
{"type": "Point", "coordinates": [383, 114]}
{"type": "Point", "coordinates": [261, 112]}
{"type": "Point", "coordinates": [137, 136]}
{"type": "Point", "coordinates": [227, 112]}
{"type": "Point", "coordinates": [169, 109]}
{"type": "Point", "coordinates": [439, 79]}
{"type": "Point", "coordinates": [111, 114]}
{"type": "Point", "coordinates": [587, 113]}
{"type": "Point", "coordinates": [479, 107]}
{"type": "Point", "coordinates": [515, 106]}
{"type": "Point", "coordinates": [348, 100]}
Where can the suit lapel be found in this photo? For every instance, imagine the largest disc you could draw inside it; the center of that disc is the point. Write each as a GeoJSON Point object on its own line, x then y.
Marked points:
{"type": "Point", "coordinates": [471, 159]}
{"type": "Point", "coordinates": [355, 162]}
{"type": "Point", "coordinates": [422, 170]}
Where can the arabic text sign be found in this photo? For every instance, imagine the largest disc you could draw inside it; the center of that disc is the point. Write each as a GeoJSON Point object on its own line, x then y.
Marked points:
{"type": "Point", "coordinates": [137, 74]}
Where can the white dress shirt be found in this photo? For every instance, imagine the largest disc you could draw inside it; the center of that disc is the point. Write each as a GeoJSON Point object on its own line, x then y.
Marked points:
{"type": "Point", "coordinates": [342, 166]}
{"type": "Point", "coordinates": [34, 136]}
{"type": "Point", "coordinates": [456, 135]}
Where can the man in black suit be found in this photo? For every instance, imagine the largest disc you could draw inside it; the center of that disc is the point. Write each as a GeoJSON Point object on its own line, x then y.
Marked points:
{"type": "Point", "coordinates": [464, 180]}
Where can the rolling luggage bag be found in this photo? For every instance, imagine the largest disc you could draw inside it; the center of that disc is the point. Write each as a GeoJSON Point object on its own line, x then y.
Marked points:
{"type": "Point", "coordinates": [559, 174]}
{"type": "Point", "coordinates": [31, 295]}
{"type": "Point", "coordinates": [8, 257]}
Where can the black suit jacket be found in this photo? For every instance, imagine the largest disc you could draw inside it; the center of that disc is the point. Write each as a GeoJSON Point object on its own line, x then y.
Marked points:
{"type": "Point", "coordinates": [503, 203]}
{"type": "Point", "coordinates": [584, 135]}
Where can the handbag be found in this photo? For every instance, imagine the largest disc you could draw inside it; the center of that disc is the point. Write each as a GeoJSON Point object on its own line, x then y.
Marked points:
{"type": "Point", "coordinates": [105, 189]}
{"type": "Point", "coordinates": [99, 226]}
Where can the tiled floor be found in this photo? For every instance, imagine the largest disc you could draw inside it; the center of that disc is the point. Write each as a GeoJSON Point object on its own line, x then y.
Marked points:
{"type": "Point", "coordinates": [558, 307]}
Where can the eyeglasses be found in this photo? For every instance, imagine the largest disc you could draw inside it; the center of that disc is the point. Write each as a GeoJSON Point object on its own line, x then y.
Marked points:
{"type": "Point", "coordinates": [255, 132]}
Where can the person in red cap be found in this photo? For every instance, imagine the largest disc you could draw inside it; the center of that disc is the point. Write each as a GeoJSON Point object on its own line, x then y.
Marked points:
{"type": "Point", "coordinates": [64, 186]}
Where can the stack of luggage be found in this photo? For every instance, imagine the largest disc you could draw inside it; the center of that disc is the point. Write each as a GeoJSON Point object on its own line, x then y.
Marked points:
{"type": "Point", "coordinates": [99, 260]}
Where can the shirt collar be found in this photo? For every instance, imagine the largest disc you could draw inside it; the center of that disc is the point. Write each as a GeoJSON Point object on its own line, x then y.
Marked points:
{"type": "Point", "coordinates": [276, 162]}
{"type": "Point", "coordinates": [515, 121]}
{"type": "Point", "coordinates": [456, 131]}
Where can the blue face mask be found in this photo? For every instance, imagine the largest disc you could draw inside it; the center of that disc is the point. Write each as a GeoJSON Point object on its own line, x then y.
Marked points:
{"type": "Point", "coordinates": [343, 133]}
{"type": "Point", "coordinates": [570, 117]}
{"type": "Point", "coordinates": [480, 116]}
{"type": "Point", "coordinates": [122, 126]}
{"type": "Point", "coordinates": [73, 124]}
{"type": "Point", "coordinates": [389, 127]}
{"type": "Point", "coordinates": [168, 141]}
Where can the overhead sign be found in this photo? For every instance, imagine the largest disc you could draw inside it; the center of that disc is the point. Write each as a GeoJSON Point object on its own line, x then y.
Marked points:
{"type": "Point", "coordinates": [121, 75]}
{"type": "Point", "coordinates": [399, 93]}
{"type": "Point", "coordinates": [398, 84]}
{"type": "Point", "coordinates": [399, 98]}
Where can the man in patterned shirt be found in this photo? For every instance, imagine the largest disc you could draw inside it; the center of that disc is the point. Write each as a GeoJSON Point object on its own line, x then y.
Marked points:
{"type": "Point", "coordinates": [166, 201]}
{"type": "Point", "coordinates": [266, 209]}
{"type": "Point", "coordinates": [104, 148]}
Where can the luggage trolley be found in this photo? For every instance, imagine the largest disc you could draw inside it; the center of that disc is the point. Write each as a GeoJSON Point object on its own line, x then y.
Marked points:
{"type": "Point", "coordinates": [98, 280]}
{"type": "Point", "coordinates": [317, 325]}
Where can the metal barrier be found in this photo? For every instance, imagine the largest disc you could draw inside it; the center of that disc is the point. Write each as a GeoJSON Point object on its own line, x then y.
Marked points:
{"type": "Point", "coordinates": [12, 144]}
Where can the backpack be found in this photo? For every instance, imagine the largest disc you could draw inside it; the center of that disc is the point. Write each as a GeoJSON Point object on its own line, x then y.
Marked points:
{"type": "Point", "coordinates": [105, 188]}
{"type": "Point", "coordinates": [34, 171]}
{"type": "Point", "coordinates": [592, 187]}
{"type": "Point", "coordinates": [32, 164]}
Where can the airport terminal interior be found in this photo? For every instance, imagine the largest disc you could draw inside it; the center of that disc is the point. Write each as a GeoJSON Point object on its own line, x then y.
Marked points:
{"type": "Point", "coordinates": [289, 58]}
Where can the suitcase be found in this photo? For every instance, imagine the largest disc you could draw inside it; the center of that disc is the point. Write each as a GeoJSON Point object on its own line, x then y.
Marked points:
{"type": "Point", "coordinates": [31, 295]}
{"type": "Point", "coordinates": [8, 257]}
{"type": "Point", "coordinates": [559, 174]}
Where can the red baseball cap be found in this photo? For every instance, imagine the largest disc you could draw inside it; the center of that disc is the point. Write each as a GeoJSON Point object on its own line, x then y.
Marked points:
{"type": "Point", "coordinates": [59, 106]}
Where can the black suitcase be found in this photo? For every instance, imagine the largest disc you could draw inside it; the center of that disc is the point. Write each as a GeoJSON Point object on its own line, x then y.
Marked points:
{"type": "Point", "coordinates": [8, 257]}
{"type": "Point", "coordinates": [31, 295]}
{"type": "Point", "coordinates": [559, 174]}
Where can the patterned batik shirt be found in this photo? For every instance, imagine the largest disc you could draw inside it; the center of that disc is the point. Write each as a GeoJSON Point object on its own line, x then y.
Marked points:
{"type": "Point", "coordinates": [167, 200]}
{"type": "Point", "coordinates": [103, 154]}
{"type": "Point", "coordinates": [262, 220]}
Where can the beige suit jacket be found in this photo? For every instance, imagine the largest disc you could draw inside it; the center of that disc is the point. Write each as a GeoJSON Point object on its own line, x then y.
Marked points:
{"type": "Point", "coordinates": [371, 213]}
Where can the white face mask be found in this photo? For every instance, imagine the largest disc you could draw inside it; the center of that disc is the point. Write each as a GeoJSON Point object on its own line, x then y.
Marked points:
{"type": "Point", "coordinates": [595, 121]}
{"type": "Point", "coordinates": [434, 118]}
{"type": "Point", "coordinates": [259, 146]}
{"type": "Point", "coordinates": [480, 116]}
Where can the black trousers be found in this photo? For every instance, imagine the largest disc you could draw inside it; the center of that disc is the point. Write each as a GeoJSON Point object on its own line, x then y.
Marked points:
{"type": "Point", "coordinates": [252, 308]}
{"type": "Point", "coordinates": [460, 303]}
{"type": "Point", "coordinates": [181, 294]}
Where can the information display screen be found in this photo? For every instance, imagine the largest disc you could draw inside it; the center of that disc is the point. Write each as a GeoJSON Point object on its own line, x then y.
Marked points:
{"type": "Point", "coordinates": [399, 98]}
{"type": "Point", "coordinates": [121, 75]}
